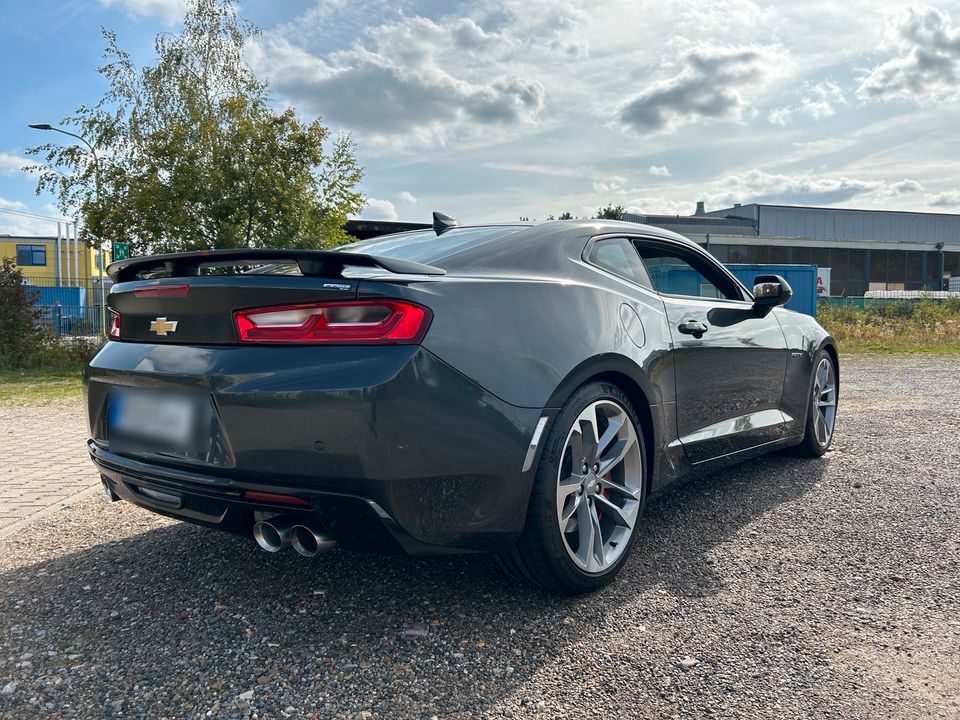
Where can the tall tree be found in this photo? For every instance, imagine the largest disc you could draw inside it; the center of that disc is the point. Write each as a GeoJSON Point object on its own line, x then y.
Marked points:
{"type": "Point", "coordinates": [610, 212]}
{"type": "Point", "coordinates": [566, 216]}
{"type": "Point", "coordinates": [192, 156]}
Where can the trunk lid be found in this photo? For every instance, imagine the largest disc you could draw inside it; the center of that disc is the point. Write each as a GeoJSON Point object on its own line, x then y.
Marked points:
{"type": "Point", "coordinates": [191, 298]}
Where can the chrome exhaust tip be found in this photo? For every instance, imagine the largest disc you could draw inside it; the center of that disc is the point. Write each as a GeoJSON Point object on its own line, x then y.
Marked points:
{"type": "Point", "coordinates": [309, 542]}
{"type": "Point", "coordinates": [271, 537]}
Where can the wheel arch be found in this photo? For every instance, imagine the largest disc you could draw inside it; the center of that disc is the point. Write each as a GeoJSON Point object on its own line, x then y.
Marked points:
{"type": "Point", "coordinates": [630, 378]}
{"type": "Point", "coordinates": [831, 349]}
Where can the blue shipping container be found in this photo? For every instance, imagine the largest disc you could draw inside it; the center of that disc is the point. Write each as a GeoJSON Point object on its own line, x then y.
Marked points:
{"type": "Point", "coordinates": [802, 279]}
{"type": "Point", "coordinates": [67, 297]}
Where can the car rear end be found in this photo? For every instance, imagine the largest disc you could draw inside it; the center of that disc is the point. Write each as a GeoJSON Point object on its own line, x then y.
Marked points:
{"type": "Point", "coordinates": [279, 389]}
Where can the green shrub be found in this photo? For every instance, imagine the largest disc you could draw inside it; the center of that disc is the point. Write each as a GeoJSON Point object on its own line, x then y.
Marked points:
{"type": "Point", "coordinates": [22, 343]}
{"type": "Point", "coordinates": [20, 339]}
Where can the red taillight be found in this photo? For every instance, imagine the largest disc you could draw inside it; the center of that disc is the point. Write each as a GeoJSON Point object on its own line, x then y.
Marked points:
{"type": "Point", "coordinates": [114, 325]}
{"type": "Point", "coordinates": [353, 322]}
{"type": "Point", "coordinates": [162, 291]}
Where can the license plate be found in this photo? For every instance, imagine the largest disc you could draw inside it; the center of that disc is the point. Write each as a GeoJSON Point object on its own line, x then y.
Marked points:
{"type": "Point", "coordinates": [154, 419]}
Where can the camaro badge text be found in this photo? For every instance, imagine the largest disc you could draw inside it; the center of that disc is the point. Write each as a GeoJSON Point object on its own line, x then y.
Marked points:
{"type": "Point", "coordinates": [162, 326]}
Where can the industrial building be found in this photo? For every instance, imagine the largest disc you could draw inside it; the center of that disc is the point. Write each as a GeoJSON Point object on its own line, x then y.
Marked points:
{"type": "Point", "coordinates": [863, 249]}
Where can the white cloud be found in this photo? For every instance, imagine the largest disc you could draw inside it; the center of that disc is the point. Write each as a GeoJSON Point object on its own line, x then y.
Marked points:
{"type": "Point", "coordinates": [822, 97]}
{"type": "Point", "coordinates": [653, 205]}
{"type": "Point", "coordinates": [412, 79]}
{"type": "Point", "coordinates": [904, 187]}
{"type": "Point", "coordinates": [406, 197]}
{"type": "Point", "coordinates": [380, 210]}
{"type": "Point", "coordinates": [610, 184]}
{"type": "Point", "coordinates": [11, 163]}
{"type": "Point", "coordinates": [714, 84]}
{"type": "Point", "coordinates": [926, 67]}
{"type": "Point", "coordinates": [948, 199]}
{"type": "Point", "coordinates": [802, 188]}
{"type": "Point", "coordinates": [659, 170]}
{"type": "Point", "coordinates": [169, 11]}
{"type": "Point", "coordinates": [15, 224]}
{"type": "Point", "coordinates": [818, 102]}
{"type": "Point", "coordinates": [11, 204]}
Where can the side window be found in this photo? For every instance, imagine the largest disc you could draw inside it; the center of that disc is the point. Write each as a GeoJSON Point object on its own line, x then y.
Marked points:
{"type": "Point", "coordinates": [676, 273]}
{"type": "Point", "coordinates": [619, 256]}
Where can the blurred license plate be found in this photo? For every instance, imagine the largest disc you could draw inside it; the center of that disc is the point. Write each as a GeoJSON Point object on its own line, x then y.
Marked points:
{"type": "Point", "coordinates": [152, 417]}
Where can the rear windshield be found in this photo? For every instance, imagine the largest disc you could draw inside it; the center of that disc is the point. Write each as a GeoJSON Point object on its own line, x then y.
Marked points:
{"type": "Point", "coordinates": [425, 246]}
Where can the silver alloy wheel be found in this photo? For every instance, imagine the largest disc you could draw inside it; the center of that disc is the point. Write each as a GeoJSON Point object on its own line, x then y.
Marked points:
{"type": "Point", "coordinates": [824, 402]}
{"type": "Point", "coordinates": [600, 486]}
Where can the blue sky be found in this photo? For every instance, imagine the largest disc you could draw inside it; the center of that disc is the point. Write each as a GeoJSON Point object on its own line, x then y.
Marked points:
{"type": "Point", "coordinates": [496, 109]}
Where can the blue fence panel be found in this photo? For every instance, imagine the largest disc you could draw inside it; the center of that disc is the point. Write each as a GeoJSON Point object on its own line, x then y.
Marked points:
{"type": "Point", "coordinates": [802, 279]}
{"type": "Point", "coordinates": [73, 297]}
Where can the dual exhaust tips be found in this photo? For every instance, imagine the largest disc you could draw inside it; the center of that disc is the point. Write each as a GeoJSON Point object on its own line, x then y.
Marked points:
{"type": "Point", "coordinates": [276, 534]}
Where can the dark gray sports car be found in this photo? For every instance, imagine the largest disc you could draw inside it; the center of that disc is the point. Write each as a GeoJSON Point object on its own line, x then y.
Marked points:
{"type": "Point", "coordinates": [513, 389]}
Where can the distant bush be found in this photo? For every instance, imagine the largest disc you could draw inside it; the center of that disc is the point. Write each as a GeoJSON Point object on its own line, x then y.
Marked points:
{"type": "Point", "coordinates": [19, 336]}
{"type": "Point", "coordinates": [902, 325]}
{"type": "Point", "coordinates": [22, 343]}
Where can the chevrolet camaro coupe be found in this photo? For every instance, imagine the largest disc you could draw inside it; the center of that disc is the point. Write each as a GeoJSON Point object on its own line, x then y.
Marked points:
{"type": "Point", "coordinates": [511, 389]}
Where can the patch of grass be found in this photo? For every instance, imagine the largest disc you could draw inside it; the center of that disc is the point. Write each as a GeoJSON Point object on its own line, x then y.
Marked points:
{"type": "Point", "coordinates": [921, 326]}
{"type": "Point", "coordinates": [26, 387]}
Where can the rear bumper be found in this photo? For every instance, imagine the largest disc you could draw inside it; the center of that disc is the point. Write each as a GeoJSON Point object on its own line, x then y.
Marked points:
{"type": "Point", "coordinates": [391, 448]}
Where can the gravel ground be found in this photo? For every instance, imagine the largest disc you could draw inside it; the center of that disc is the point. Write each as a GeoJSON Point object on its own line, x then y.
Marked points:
{"type": "Point", "coordinates": [782, 588]}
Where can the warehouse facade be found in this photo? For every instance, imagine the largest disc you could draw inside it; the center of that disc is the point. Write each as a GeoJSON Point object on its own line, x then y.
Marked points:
{"type": "Point", "coordinates": [864, 249]}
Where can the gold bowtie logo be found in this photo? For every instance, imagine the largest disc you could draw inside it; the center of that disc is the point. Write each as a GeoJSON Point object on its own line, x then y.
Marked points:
{"type": "Point", "coordinates": [162, 326]}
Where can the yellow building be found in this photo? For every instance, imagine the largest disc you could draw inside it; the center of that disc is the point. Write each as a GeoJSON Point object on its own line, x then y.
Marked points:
{"type": "Point", "coordinates": [48, 261]}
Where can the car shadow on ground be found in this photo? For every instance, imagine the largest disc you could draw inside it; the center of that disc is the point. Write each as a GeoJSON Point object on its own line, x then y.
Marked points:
{"type": "Point", "coordinates": [183, 607]}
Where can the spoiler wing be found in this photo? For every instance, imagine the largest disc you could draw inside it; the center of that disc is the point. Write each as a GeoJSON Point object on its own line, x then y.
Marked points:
{"type": "Point", "coordinates": [314, 263]}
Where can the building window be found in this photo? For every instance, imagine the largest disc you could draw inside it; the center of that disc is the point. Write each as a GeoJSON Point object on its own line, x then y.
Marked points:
{"type": "Point", "coordinates": [779, 254]}
{"type": "Point", "coordinates": [820, 257]}
{"type": "Point", "coordinates": [914, 267]}
{"type": "Point", "coordinates": [878, 266]}
{"type": "Point", "coordinates": [31, 255]}
{"type": "Point", "coordinates": [951, 264]}
{"type": "Point", "coordinates": [718, 251]}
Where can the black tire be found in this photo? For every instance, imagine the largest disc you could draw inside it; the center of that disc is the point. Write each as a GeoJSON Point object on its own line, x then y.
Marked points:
{"type": "Point", "coordinates": [541, 557]}
{"type": "Point", "coordinates": [811, 446]}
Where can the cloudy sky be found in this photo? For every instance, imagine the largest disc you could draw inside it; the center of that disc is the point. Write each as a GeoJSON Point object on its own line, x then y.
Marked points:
{"type": "Point", "coordinates": [498, 109]}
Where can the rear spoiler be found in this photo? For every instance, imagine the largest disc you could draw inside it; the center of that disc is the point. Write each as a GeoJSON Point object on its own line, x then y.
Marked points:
{"type": "Point", "coordinates": [313, 263]}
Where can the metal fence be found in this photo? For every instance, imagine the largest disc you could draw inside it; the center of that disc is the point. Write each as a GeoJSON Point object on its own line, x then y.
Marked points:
{"type": "Point", "coordinates": [862, 303]}
{"type": "Point", "coordinates": [50, 281]}
{"type": "Point", "coordinates": [73, 320]}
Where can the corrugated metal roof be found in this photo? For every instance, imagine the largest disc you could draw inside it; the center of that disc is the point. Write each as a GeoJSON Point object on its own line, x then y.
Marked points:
{"type": "Point", "coordinates": [892, 226]}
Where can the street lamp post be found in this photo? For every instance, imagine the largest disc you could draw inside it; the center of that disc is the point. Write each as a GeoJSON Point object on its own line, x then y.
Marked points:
{"type": "Point", "coordinates": [96, 190]}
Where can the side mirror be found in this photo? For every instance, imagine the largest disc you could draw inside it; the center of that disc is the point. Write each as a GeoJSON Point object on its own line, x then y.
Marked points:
{"type": "Point", "coordinates": [770, 291]}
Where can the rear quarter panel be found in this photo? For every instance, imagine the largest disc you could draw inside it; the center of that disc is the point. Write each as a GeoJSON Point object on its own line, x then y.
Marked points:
{"type": "Point", "coordinates": [805, 337]}
{"type": "Point", "coordinates": [532, 342]}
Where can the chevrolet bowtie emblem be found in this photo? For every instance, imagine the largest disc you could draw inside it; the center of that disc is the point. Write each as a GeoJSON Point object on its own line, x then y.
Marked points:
{"type": "Point", "coordinates": [162, 326]}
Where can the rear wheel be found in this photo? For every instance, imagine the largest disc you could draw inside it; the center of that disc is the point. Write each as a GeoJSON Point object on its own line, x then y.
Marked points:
{"type": "Point", "coordinates": [822, 410]}
{"type": "Point", "coordinates": [588, 495]}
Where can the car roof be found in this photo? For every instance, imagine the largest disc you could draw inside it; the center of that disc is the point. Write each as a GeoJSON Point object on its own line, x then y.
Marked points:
{"type": "Point", "coordinates": [521, 246]}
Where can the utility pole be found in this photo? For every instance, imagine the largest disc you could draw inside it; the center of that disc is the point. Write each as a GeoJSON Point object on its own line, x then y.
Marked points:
{"type": "Point", "coordinates": [96, 190]}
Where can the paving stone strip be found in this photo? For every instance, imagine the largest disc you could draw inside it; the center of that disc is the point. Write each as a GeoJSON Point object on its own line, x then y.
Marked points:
{"type": "Point", "coordinates": [43, 460]}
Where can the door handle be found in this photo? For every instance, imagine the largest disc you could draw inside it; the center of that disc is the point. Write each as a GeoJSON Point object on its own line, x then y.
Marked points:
{"type": "Point", "coordinates": [693, 327]}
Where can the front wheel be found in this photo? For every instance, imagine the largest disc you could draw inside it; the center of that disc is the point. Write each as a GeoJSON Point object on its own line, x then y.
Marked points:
{"type": "Point", "coordinates": [822, 408]}
{"type": "Point", "coordinates": [588, 495]}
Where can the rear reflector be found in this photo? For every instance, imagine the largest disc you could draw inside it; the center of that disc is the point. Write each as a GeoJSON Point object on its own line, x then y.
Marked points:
{"type": "Point", "coordinates": [114, 325]}
{"type": "Point", "coordinates": [353, 322]}
{"type": "Point", "coordinates": [274, 499]}
{"type": "Point", "coordinates": [162, 291]}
